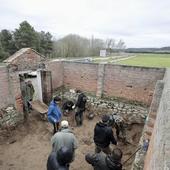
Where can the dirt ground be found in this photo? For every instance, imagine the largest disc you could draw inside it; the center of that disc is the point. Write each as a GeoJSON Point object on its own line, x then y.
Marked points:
{"type": "Point", "coordinates": [27, 147]}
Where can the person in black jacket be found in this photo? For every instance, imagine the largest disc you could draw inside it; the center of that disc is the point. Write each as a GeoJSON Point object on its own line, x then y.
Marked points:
{"type": "Point", "coordinates": [67, 107]}
{"type": "Point", "coordinates": [80, 106]}
{"type": "Point", "coordinates": [61, 160]}
{"type": "Point", "coordinates": [101, 161]}
{"type": "Point", "coordinates": [103, 135]}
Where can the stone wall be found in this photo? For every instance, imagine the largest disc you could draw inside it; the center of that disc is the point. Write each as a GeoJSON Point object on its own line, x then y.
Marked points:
{"type": "Point", "coordinates": [130, 112]}
{"type": "Point", "coordinates": [10, 117]}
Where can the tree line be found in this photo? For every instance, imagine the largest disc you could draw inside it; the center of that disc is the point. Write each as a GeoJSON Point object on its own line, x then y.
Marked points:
{"type": "Point", "coordinates": [43, 42]}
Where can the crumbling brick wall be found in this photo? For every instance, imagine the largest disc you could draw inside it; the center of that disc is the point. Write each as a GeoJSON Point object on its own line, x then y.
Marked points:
{"type": "Point", "coordinates": [10, 96]}
{"type": "Point", "coordinates": [5, 98]}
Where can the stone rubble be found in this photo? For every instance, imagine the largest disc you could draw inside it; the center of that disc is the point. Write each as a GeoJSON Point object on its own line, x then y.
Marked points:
{"type": "Point", "coordinates": [131, 113]}
{"type": "Point", "coordinates": [9, 117]}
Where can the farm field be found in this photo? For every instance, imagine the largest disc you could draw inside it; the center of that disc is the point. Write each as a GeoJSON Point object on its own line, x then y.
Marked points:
{"type": "Point", "coordinates": [149, 60]}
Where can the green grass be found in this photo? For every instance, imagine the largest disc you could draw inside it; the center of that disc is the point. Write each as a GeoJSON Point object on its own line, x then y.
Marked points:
{"type": "Point", "coordinates": [149, 60]}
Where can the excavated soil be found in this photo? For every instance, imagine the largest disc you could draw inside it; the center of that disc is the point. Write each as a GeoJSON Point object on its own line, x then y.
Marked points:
{"type": "Point", "coordinates": [27, 146]}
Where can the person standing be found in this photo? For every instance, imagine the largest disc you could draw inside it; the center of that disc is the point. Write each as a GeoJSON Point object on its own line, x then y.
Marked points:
{"type": "Point", "coordinates": [54, 113]}
{"type": "Point", "coordinates": [80, 106]}
{"type": "Point", "coordinates": [101, 161]}
{"type": "Point", "coordinates": [23, 87]}
{"type": "Point", "coordinates": [103, 135]}
{"type": "Point", "coordinates": [30, 93]}
{"type": "Point", "coordinates": [64, 137]}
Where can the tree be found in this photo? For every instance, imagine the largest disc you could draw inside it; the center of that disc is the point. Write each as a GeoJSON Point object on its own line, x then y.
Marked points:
{"type": "Point", "coordinates": [71, 46]}
{"type": "Point", "coordinates": [26, 36]}
{"type": "Point", "coordinates": [109, 44]}
{"type": "Point", "coordinates": [95, 46]}
{"type": "Point", "coordinates": [3, 54]}
{"type": "Point", "coordinates": [120, 45]}
{"type": "Point", "coordinates": [7, 42]}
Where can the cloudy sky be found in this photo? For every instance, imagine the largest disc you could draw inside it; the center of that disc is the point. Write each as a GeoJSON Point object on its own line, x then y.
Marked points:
{"type": "Point", "coordinates": [140, 23]}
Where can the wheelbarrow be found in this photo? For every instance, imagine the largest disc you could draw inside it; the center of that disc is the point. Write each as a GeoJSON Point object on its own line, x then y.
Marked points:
{"type": "Point", "coordinates": [40, 107]}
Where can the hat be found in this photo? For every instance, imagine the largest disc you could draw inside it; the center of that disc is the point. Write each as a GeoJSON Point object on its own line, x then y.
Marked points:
{"type": "Point", "coordinates": [64, 123]}
{"type": "Point", "coordinates": [105, 118]}
{"type": "Point", "coordinates": [56, 98]}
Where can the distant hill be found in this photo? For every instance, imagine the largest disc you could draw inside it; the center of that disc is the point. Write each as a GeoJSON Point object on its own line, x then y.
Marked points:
{"type": "Point", "coordinates": [162, 50]}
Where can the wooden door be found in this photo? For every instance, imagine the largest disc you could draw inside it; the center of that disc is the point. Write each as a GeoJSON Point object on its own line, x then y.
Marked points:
{"type": "Point", "coordinates": [46, 82]}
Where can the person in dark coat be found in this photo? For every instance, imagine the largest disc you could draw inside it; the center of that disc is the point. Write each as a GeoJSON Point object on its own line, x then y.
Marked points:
{"type": "Point", "coordinates": [67, 107]}
{"type": "Point", "coordinates": [61, 160]}
{"type": "Point", "coordinates": [54, 113]}
{"type": "Point", "coordinates": [103, 135]}
{"type": "Point", "coordinates": [80, 106]}
{"type": "Point", "coordinates": [30, 92]}
{"type": "Point", "coordinates": [101, 161]}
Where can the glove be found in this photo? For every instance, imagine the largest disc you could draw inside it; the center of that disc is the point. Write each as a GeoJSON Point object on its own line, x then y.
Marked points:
{"type": "Point", "coordinates": [73, 107]}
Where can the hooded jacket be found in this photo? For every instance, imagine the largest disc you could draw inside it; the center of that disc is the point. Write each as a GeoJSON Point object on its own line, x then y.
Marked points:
{"type": "Point", "coordinates": [64, 138]}
{"type": "Point", "coordinates": [103, 135]}
{"type": "Point", "coordinates": [53, 163]}
{"type": "Point", "coordinates": [100, 161]}
{"type": "Point", "coordinates": [54, 111]}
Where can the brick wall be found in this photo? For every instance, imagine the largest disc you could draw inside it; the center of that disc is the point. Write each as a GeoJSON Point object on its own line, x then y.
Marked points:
{"type": "Point", "coordinates": [10, 96]}
{"type": "Point", "coordinates": [132, 83]}
{"type": "Point", "coordinates": [82, 76]}
{"type": "Point", "coordinates": [29, 60]}
{"type": "Point", "coordinates": [56, 68]}
{"type": "Point", "coordinates": [157, 157]}
{"type": "Point", "coordinates": [5, 98]}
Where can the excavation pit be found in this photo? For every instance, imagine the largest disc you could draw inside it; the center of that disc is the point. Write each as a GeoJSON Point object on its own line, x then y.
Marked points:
{"type": "Point", "coordinates": [28, 145]}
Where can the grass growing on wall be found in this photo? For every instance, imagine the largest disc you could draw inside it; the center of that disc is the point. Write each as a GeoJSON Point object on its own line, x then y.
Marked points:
{"type": "Point", "coordinates": [150, 60]}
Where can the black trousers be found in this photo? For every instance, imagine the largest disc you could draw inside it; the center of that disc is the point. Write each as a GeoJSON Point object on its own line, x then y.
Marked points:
{"type": "Point", "coordinates": [79, 118]}
{"type": "Point", "coordinates": [54, 125]}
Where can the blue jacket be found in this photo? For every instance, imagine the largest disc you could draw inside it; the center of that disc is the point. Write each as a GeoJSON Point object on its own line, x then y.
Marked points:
{"type": "Point", "coordinates": [54, 111]}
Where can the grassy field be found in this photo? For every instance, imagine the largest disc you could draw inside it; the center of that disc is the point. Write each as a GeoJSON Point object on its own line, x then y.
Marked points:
{"type": "Point", "coordinates": [150, 60]}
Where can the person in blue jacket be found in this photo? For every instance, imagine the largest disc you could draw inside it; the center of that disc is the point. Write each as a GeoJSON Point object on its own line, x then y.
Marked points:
{"type": "Point", "coordinates": [54, 113]}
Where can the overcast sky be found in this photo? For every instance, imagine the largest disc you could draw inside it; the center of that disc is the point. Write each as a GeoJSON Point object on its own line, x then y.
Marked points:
{"type": "Point", "coordinates": [140, 23]}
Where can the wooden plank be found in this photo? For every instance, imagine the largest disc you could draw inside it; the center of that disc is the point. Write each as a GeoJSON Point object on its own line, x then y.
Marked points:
{"type": "Point", "coordinates": [39, 106]}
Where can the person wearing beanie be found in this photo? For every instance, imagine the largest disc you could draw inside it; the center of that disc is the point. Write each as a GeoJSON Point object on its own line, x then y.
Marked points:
{"type": "Point", "coordinates": [103, 136]}
{"type": "Point", "coordinates": [60, 160]}
{"type": "Point", "coordinates": [80, 108]}
{"type": "Point", "coordinates": [54, 113]}
{"type": "Point", "coordinates": [64, 137]}
{"type": "Point", "coordinates": [101, 161]}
